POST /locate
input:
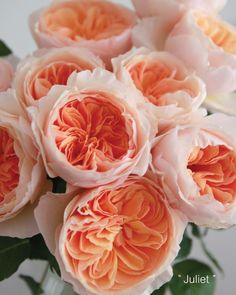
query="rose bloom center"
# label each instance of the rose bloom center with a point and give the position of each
(155, 79)
(90, 20)
(221, 34)
(53, 74)
(213, 169)
(119, 237)
(90, 132)
(9, 169)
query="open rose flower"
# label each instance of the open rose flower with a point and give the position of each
(36, 74)
(101, 26)
(21, 170)
(6, 74)
(163, 80)
(208, 45)
(113, 239)
(199, 175)
(94, 130)
(160, 17)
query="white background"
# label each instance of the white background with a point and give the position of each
(14, 30)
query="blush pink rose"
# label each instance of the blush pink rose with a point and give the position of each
(117, 239)
(199, 173)
(6, 74)
(36, 74)
(208, 45)
(172, 90)
(94, 130)
(22, 176)
(101, 26)
(160, 17)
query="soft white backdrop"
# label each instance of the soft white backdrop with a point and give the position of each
(14, 30)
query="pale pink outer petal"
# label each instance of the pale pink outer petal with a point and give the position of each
(180, 103)
(6, 74)
(222, 123)
(210, 6)
(199, 53)
(173, 9)
(99, 80)
(170, 9)
(31, 65)
(22, 225)
(182, 191)
(49, 216)
(106, 49)
(151, 32)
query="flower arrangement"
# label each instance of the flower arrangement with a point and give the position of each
(109, 158)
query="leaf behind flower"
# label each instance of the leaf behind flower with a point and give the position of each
(4, 49)
(13, 252)
(192, 268)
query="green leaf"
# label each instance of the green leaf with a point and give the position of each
(13, 252)
(59, 185)
(39, 251)
(185, 247)
(161, 291)
(4, 50)
(198, 234)
(34, 286)
(196, 271)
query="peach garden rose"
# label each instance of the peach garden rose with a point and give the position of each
(199, 175)
(101, 26)
(22, 174)
(36, 74)
(93, 130)
(106, 155)
(6, 74)
(117, 239)
(165, 82)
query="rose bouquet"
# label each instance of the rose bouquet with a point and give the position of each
(107, 152)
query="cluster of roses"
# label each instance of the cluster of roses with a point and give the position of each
(127, 134)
